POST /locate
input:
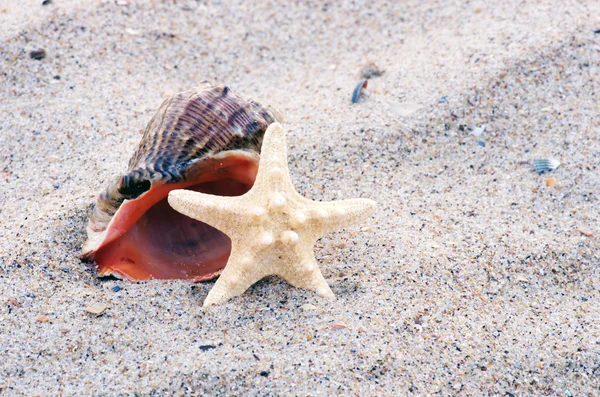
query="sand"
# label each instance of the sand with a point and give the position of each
(473, 278)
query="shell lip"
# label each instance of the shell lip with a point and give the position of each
(128, 213)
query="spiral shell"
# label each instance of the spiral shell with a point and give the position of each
(206, 139)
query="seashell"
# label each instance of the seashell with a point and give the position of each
(357, 90)
(207, 140)
(542, 165)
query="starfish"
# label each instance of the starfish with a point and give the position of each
(273, 229)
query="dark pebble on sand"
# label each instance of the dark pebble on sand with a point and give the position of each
(264, 373)
(207, 347)
(56, 185)
(38, 54)
(116, 288)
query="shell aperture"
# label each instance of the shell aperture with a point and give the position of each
(207, 140)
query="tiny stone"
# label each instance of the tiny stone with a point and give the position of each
(308, 306)
(116, 288)
(586, 231)
(207, 347)
(13, 302)
(43, 319)
(38, 54)
(551, 182)
(338, 326)
(56, 185)
(479, 130)
(96, 308)
(264, 373)
(371, 70)
(46, 2)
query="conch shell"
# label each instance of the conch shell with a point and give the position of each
(207, 140)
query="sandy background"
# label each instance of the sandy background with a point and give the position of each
(474, 277)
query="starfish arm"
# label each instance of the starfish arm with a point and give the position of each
(308, 276)
(273, 168)
(327, 217)
(222, 213)
(239, 274)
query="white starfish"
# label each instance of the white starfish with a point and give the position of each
(272, 228)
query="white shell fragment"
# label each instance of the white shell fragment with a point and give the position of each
(478, 131)
(542, 165)
(96, 309)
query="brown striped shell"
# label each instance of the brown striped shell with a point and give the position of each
(206, 140)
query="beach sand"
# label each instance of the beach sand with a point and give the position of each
(473, 278)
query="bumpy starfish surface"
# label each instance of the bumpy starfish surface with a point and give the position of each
(272, 228)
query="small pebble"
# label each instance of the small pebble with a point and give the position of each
(443, 99)
(478, 131)
(207, 347)
(56, 185)
(586, 231)
(14, 302)
(38, 54)
(481, 143)
(264, 373)
(46, 2)
(116, 288)
(43, 319)
(371, 70)
(551, 182)
(96, 308)
(338, 326)
(308, 306)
